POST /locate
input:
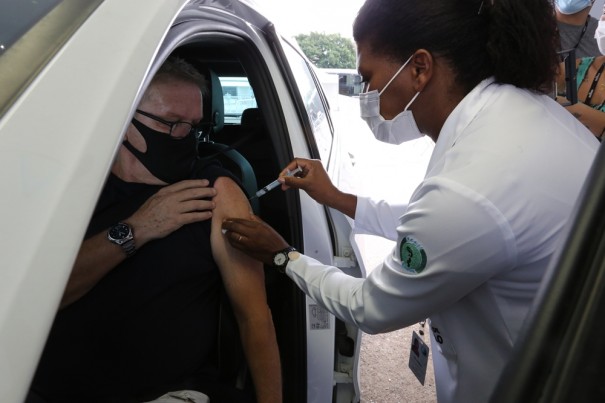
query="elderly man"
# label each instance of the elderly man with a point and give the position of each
(139, 316)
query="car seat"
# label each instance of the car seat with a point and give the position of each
(229, 353)
(212, 124)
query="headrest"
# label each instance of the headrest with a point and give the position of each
(251, 119)
(214, 108)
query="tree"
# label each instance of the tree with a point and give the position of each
(328, 50)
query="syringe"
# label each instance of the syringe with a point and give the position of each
(275, 183)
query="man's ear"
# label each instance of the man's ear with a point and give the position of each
(423, 65)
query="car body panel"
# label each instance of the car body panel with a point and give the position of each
(57, 143)
(52, 182)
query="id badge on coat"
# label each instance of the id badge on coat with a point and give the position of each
(419, 357)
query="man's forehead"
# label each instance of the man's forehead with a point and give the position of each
(174, 99)
(172, 85)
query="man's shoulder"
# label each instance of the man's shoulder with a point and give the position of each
(211, 170)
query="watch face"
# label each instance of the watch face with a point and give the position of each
(280, 259)
(119, 231)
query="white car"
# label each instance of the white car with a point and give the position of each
(71, 75)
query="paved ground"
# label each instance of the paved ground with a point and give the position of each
(391, 173)
(384, 373)
(385, 376)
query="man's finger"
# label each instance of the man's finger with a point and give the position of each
(238, 224)
(254, 217)
(186, 184)
(196, 205)
(196, 193)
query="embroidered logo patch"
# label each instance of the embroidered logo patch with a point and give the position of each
(412, 255)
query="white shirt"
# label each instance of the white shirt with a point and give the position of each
(475, 239)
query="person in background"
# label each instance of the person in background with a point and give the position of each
(478, 233)
(590, 108)
(600, 32)
(577, 27)
(140, 313)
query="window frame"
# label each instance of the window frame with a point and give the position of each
(21, 63)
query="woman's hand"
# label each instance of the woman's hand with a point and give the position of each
(313, 179)
(254, 237)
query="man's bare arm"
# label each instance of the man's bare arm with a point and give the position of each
(244, 282)
(592, 118)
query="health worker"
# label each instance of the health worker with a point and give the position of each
(478, 233)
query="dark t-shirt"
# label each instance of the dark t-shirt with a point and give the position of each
(149, 326)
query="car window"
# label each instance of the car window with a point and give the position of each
(349, 83)
(318, 116)
(18, 16)
(237, 96)
(31, 33)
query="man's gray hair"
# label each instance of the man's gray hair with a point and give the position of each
(176, 68)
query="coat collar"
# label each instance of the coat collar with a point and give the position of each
(464, 113)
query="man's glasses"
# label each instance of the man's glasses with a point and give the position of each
(178, 130)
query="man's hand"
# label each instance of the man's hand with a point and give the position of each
(172, 207)
(254, 237)
(163, 213)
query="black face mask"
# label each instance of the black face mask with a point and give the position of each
(168, 159)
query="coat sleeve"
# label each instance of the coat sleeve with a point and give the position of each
(449, 242)
(377, 217)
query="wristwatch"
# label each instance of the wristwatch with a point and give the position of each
(122, 234)
(281, 258)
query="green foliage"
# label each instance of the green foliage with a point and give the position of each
(328, 50)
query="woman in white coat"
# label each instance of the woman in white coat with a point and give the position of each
(479, 231)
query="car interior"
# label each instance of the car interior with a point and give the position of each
(244, 135)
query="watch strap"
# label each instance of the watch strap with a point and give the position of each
(282, 267)
(129, 247)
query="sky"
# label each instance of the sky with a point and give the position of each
(293, 17)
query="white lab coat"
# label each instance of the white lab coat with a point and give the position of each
(480, 229)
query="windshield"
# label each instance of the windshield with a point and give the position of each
(18, 16)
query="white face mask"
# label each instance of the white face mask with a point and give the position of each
(600, 36)
(572, 6)
(396, 131)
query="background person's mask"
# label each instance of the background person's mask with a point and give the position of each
(395, 131)
(572, 6)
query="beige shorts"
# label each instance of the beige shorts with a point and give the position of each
(181, 396)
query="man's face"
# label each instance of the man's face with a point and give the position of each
(164, 103)
(172, 101)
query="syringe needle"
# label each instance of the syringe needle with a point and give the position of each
(274, 184)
